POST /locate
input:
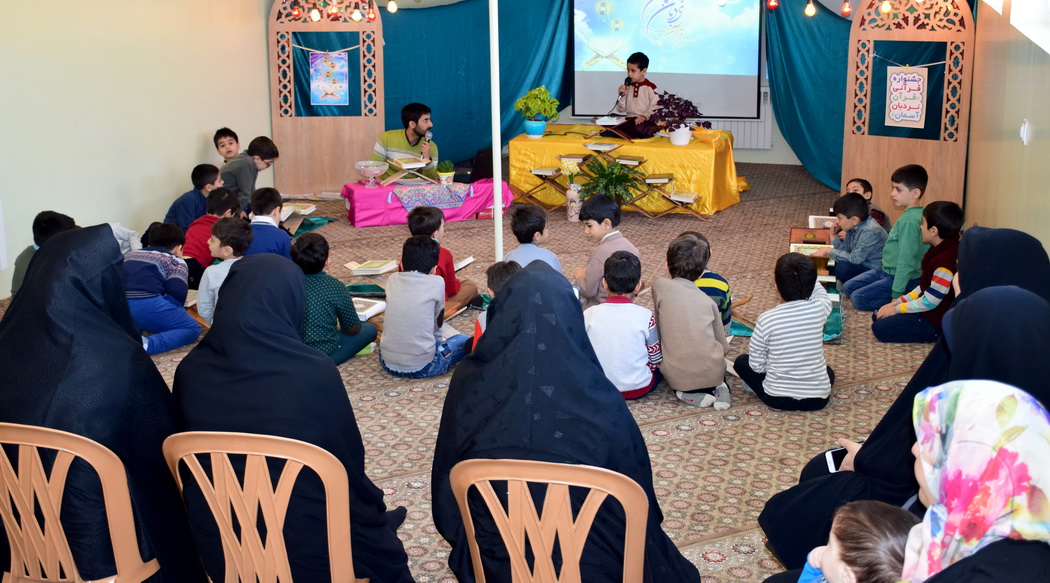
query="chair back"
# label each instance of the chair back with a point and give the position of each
(254, 500)
(31, 505)
(522, 526)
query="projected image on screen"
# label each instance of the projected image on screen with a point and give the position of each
(705, 50)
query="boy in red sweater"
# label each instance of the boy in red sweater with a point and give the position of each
(222, 202)
(430, 221)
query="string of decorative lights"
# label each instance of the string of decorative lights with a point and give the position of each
(846, 9)
(358, 10)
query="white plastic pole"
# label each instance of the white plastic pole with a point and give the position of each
(497, 153)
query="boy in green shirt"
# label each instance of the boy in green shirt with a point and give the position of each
(902, 254)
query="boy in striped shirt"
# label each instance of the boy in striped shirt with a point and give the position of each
(916, 315)
(785, 365)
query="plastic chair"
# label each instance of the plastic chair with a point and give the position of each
(242, 500)
(39, 546)
(520, 524)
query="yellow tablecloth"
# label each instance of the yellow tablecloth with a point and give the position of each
(705, 166)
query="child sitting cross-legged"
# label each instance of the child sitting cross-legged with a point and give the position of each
(156, 290)
(496, 275)
(916, 316)
(328, 303)
(624, 334)
(600, 214)
(222, 202)
(529, 225)
(229, 239)
(692, 338)
(715, 286)
(412, 346)
(863, 187)
(785, 365)
(856, 238)
(430, 221)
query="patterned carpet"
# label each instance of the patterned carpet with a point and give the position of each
(713, 470)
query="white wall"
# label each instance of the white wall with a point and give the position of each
(1008, 183)
(108, 106)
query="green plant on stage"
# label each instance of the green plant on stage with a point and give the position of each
(610, 178)
(537, 104)
(446, 166)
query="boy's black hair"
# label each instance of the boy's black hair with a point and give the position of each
(203, 175)
(795, 275)
(687, 255)
(527, 221)
(412, 112)
(638, 59)
(233, 232)
(864, 184)
(599, 207)
(224, 133)
(851, 205)
(623, 271)
(47, 224)
(498, 273)
(220, 200)
(425, 220)
(310, 252)
(264, 148)
(946, 216)
(265, 199)
(419, 253)
(911, 176)
(166, 236)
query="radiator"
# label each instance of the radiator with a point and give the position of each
(751, 134)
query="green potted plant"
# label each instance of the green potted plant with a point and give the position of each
(610, 178)
(446, 171)
(538, 107)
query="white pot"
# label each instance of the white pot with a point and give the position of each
(681, 136)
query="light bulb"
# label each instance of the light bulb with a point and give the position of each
(772, 4)
(371, 14)
(810, 9)
(296, 12)
(333, 10)
(886, 7)
(315, 15)
(357, 16)
(391, 6)
(846, 8)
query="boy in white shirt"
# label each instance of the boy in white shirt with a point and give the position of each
(624, 334)
(230, 238)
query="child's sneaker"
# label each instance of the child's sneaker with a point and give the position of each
(696, 399)
(722, 397)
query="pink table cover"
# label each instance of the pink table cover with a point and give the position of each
(371, 207)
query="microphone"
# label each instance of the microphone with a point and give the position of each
(626, 83)
(429, 136)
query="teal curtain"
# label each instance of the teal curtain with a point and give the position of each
(326, 41)
(440, 57)
(806, 64)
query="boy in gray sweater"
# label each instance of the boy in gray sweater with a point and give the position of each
(412, 346)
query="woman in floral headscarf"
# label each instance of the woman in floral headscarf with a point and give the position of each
(981, 461)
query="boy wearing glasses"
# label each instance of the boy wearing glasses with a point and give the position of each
(240, 172)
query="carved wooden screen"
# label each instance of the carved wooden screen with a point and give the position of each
(318, 152)
(876, 157)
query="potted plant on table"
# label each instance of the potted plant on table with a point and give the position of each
(538, 107)
(610, 178)
(675, 113)
(446, 171)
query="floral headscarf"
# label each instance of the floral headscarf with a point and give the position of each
(983, 447)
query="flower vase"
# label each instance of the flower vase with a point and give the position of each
(573, 202)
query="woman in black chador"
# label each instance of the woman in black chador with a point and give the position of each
(71, 358)
(533, 390)
(253, 374)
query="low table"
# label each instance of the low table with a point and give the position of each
(372, 207)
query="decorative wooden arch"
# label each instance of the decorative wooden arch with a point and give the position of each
(876, 157)
(318, 153)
